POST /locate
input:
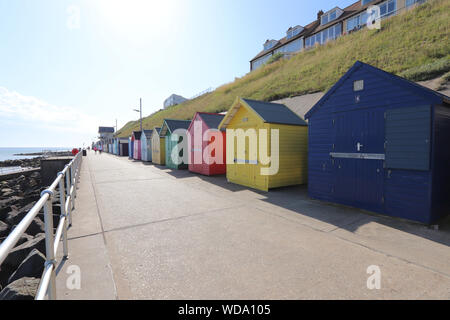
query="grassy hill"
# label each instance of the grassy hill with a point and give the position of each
(414, 44)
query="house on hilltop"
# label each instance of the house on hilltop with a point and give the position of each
(106, 136)
(173, 100)
(106, 132)
(329, 25)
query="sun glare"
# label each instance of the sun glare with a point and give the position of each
(138, 15)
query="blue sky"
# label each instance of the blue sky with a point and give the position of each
(69, 66)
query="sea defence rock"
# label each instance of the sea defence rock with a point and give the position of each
(18, 255)
(20, 272)
(17, 214)
(4, 229)
(21, 289)
(32, 266)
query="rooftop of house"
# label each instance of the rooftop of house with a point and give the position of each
(106, 130)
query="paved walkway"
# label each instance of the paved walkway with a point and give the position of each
(145, 232)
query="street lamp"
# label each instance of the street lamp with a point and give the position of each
(140, 111)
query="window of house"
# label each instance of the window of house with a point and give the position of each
(409, 3)
(364, 2)
(260, 61)
(293, 46)
(330, 16)
(387, 8)
(358, 85)
(353, 23)
(357, 22)
(322, 37)
(293, 32)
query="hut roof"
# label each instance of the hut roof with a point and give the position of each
(402, 82)
(212, 120)
(171, 125)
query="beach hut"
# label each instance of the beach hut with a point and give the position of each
(146, 145)
(380, 143)
(207, 153)
(123, 147)
(130, 147)
(158, 148)
(136, 136)
(172, 142)
(266, 145)
(116, 146)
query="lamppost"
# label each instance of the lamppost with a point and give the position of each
(140, 111)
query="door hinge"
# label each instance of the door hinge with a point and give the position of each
(334, 121)
(385, 116)
(382, 199)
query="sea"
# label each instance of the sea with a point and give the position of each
(9, 153)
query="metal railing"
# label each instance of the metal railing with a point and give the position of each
(66, 182)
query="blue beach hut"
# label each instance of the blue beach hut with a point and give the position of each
(130, 148)
(380, 142)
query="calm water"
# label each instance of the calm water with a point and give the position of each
(8, 153)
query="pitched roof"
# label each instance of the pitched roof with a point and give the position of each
(269, 112)
(402, 82)
(275, 112)
(212, 120)
(105, 129)
(148, 133)
(137, 135)
(171, 125)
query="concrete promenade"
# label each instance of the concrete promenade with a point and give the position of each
(145, 232)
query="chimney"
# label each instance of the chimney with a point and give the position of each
(319, 14)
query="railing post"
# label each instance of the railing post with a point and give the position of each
(72, 183)
(62, 200)
(49, 245)
(69, 206)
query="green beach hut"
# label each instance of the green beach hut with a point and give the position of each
(173, 139)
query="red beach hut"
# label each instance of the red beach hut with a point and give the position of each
(136, 138)
(207, 149)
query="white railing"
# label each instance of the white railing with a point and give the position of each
(210, 89)
(70, 175)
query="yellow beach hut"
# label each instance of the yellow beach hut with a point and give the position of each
(158, 148)
(266, 145)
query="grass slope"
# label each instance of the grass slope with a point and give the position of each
(414, 44)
